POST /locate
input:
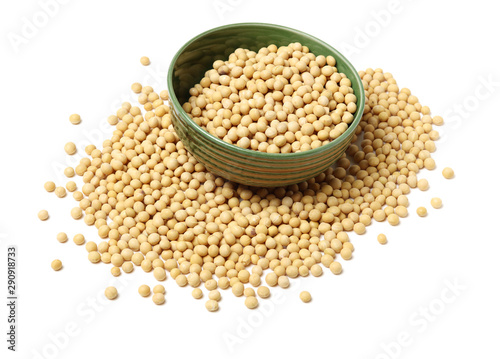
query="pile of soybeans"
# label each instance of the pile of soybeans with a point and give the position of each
(278, 100)
(156, 208)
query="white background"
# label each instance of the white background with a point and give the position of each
(84, 59)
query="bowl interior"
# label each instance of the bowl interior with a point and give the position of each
(197, 56)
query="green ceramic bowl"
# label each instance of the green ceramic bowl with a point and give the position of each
(240, 165)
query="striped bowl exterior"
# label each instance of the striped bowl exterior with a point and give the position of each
(250, 167)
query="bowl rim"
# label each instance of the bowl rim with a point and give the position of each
(253, 153)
